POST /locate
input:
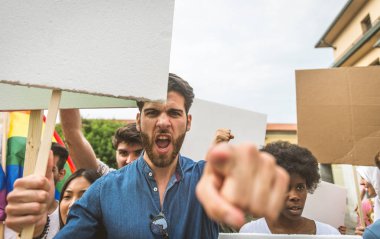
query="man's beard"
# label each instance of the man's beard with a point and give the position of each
(161, 161)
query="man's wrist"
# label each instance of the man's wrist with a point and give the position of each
(45, 231)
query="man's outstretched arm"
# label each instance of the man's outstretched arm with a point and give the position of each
(239, 179)
(81, 151)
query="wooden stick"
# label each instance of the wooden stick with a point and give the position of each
(2, 229)
(360, 209)
(33, 141)
(43, 152)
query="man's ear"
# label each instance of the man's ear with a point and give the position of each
(138, 121)
(61, 174)
(189, 118)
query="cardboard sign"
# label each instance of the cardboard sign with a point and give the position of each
(113, 48)
(246, 126)
(338, 112)
(278, 236)
(331, 213)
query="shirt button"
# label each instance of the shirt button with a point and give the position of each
(150, 174)
(155, 189)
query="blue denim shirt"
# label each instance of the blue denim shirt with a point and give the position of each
(122, 203)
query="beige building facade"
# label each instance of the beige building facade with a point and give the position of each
(285, 132)
(354, 35)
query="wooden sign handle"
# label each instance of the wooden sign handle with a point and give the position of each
(4, 139)
(360, 209)
(33, 141)
(44, 150)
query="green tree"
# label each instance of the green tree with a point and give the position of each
(99, 133)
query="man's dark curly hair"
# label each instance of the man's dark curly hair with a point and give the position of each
(179, 85)
(127, 134)
(61, 152)
(296, 160)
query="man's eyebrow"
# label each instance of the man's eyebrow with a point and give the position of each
(150, 109)
(176, 110)
(153, 105)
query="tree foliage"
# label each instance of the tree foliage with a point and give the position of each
(99, 133)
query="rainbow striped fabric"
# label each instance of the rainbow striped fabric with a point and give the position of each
(16, 145)
(3, 194)
(3, 180)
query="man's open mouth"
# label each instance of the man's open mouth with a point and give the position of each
(163, 141)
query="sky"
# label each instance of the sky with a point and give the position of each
(244, 53)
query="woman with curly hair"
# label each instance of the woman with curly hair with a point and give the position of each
(303, 170)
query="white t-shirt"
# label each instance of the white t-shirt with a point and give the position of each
(54, 224)
(261, 226)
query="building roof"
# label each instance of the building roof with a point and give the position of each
(281, 127)
(345, 16)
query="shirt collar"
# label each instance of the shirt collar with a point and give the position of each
(142, 165)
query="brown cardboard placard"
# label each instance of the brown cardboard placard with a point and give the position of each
(338, 113)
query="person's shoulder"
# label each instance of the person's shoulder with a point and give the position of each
(254, 226)
(189, 163)
(373, 231)
(187, 160)
(109, 181)
(109, 176)
(120, 173)
(325, 229)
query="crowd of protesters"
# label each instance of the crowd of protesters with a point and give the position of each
(159, 193)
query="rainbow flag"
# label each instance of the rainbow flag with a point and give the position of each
(3, 180)
(16, 145)
(3, 194)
